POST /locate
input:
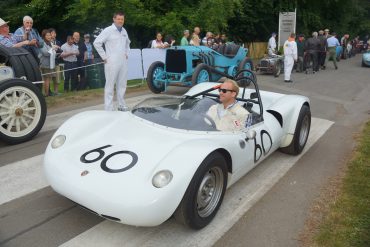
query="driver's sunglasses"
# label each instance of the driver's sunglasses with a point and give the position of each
(225, 90)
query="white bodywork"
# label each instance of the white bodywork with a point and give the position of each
(129, 195)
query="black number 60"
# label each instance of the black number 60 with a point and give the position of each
(103, 163)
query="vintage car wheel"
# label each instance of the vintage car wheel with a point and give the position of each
(246, 63)
(205, 193)
(22, 112)
(301, 132)
(201, 74)
(277, 69)
(155, 72)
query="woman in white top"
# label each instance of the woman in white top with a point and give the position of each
(47, 61)
(158, 43)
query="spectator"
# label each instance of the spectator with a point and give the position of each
(7, 39)
(344, 41)
(208, 39)
(158, 42)
(290, 56)
(117, 46)
(184, 40)
(271, 47)
(223, 39)
(80, 61)
(312, 47)
(26, 32)
(326, 33)
(56, 43)
(69, 55)
(300, 49)
(169, 41)
(195, 39)
(47, 61)
(332, 43)
(322, 51)
(88, 57)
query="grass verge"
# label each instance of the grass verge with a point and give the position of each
(94, 95)
(347, 222)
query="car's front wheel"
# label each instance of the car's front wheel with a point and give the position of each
(22, 111)
(204, 194)
(155, 77)
(301, 132)
(201, 74)
(277, 69)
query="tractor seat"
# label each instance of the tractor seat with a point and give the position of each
(231, 50)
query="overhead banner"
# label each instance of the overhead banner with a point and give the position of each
(287, 25)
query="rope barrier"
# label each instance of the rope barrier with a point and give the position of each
(85, 66)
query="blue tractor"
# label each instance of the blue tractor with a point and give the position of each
(189, 65)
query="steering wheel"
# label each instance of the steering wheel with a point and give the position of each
(210, 121)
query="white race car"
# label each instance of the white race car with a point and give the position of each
(165, 157)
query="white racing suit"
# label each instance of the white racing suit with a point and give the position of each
(117, 46)
(233, 118)
(290, 55)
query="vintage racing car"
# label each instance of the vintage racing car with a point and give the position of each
(271, 65)
(366, 59)
(22, 105)
(165, 157)
(189, 65)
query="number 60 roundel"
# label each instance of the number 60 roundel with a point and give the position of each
(103, 163)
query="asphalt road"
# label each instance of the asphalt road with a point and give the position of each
(31, 214)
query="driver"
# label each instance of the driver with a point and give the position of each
(228, 115)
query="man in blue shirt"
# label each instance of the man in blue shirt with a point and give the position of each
(7, 39)
(26, 32)
(332, 43)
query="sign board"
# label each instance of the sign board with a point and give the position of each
(151, 55)
(135, 65)
(287, 25)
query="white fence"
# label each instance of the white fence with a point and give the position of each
(139, 61)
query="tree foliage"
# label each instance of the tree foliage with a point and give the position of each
(240, 20)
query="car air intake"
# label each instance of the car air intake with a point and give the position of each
(175, 61)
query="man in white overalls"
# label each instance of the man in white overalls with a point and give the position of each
(290, 56)
(115, 55)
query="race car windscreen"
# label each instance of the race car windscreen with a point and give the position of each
(177, 112)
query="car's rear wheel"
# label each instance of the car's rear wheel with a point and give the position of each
(204, 194)
(22, 112)
(155, 77)
(200, 74)
(301, 132)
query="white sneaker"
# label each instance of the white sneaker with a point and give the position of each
(123, 108)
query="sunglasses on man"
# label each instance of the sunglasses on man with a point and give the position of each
(224, 90)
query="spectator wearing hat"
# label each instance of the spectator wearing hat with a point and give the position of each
(326, 33)
(184, 40)
(332, 43)
(272, 45)
(27, 32)
(7, 39)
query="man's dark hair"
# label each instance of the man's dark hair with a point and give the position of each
(52, 29)
(69, 37)
(118, 13)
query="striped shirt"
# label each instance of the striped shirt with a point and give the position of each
(66, 48)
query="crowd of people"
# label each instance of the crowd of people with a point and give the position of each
(209, 39)
(50, 53)
(314, 53)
